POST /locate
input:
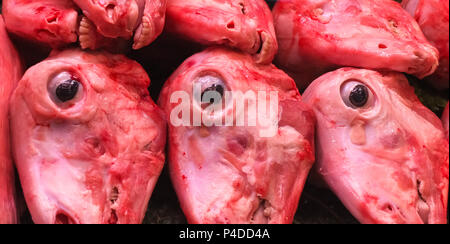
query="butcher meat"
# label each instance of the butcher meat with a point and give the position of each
(143, 19)
(88, 141)
(445, 120)
(433, 18)
(379, 149)
(246, 25)
(317, 36)
(95, 23)
(10, 73)
(225, 168)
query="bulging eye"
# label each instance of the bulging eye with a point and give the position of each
(65, 89)
(216, 90)
(359, 96)
(356, 94)
(212, 89)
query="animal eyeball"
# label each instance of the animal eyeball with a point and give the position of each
(212, 89)
(65, 88)
(356, 94)
(218, 89)
(359, 95)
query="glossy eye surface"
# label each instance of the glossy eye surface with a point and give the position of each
(359, 96)
(212, 89)
(65, 89)
(356, 94)
(218, 88)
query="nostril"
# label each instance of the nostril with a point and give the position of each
(63, 219)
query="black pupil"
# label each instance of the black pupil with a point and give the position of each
(216, 88)
(359, 96)
(67, 90)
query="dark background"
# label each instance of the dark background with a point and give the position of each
(317, 205)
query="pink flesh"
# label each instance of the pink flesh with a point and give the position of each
(316, 36)
(53, 22)
(56, 22)
(433, 18)
(243, 24)
(120, 18)
(152, 24)
(10, 73)
(445, 120)
(231, 174)
(398, 172)
(98, 160)
(113, 18)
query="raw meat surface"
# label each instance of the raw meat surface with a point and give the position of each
(379, 149)
(10, 73)
(88, 141)
(433, 18)
(445, 120)
(102, 24)
(246, 25)
(317, 36)
(234, 174)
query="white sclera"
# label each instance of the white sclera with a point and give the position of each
(347, 88)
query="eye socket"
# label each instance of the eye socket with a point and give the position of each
(356, 94)
(65, 89)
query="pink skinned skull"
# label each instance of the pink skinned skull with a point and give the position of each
(317, 36)
(378, 148)
(231, 173)
(10, 73)
(88, 141)
(433, 18)
(95, 24)
(246, 25)
(445, 119)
